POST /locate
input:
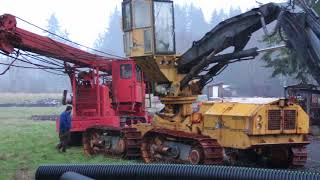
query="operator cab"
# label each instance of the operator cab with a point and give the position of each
(128, 86)
(148, 27)
(149, 37)
(98, 94)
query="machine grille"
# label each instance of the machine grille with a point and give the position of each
(289, 119)
(274, 119)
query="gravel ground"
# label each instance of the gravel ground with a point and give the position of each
(313, 163)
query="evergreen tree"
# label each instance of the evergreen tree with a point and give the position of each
(51, 82)
(53, 26)
(198, 24)
(285, 62)
(234, 11)
(315, 4)
(111, 40)
(216, 17)
(190, 26)
(182, 42)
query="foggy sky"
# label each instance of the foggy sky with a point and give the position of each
(84, 19)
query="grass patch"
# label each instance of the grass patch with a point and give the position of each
(26, 144)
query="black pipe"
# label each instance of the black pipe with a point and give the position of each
(73, 176)
(170, 172)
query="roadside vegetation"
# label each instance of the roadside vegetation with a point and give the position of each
(19, 98)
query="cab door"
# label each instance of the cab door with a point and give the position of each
(128, 85)
(123, 81)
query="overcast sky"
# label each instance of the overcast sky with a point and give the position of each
(85, 19)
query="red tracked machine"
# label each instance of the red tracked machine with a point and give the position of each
(108, 95)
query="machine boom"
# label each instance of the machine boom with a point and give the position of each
(13, 37)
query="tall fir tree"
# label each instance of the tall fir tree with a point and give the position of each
(181, 16)
(52, 82)
(234, 11)
(53, 26)
(198, 24)
(111, 40)
(217, 17)
(190, 26)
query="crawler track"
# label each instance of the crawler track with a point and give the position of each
(280, 156)
(299, 156)
(124, 142)
(163, 145)
(287, 157)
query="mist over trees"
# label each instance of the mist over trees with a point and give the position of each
(190, 24)
(248, 78)
(35, 80)
(110, 40)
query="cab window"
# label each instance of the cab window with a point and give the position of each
(164, 27)
(127, 43)
(125, 71)
(141, 13)
(126, 14)
(138, 73)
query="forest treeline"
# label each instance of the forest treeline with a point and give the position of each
(245, 78)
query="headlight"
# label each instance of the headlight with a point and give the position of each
(259, 122)
(259, 119)
(259, 126)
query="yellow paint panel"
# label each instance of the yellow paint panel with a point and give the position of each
(137, 43)
(303, 121)
(209, 121)
(233, 109)
(234, 122)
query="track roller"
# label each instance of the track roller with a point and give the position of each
(169, 146)
(124, 142)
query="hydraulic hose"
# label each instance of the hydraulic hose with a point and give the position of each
(170, 172)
